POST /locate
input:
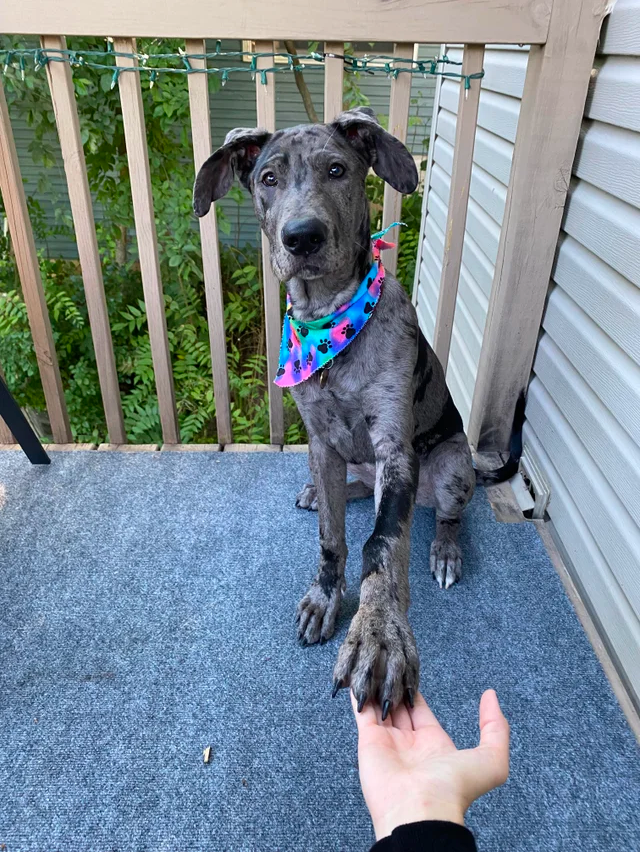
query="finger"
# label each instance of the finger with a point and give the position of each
(401, 719)
(494, 735)
(421, 714)
(494, 728)
(366, 717)
(387, 722)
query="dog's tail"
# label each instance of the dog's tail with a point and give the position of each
(510, 467)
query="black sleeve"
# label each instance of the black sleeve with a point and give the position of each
(429, 835)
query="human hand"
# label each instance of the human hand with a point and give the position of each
(410, 769)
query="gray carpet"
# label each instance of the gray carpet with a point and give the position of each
(147, 610)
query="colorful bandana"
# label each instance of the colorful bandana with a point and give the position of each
(309, 346)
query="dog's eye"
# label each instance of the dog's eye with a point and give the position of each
(269, 179)
(336, 170)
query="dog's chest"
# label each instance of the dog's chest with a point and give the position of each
(335, 415)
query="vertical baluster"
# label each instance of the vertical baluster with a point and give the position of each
(15, 205)
(398, 124)
(458, 201)
(138, 157)
(333, 79)
(66, 112)
(266, 110)
(201, 135)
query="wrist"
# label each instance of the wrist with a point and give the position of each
(412, 811)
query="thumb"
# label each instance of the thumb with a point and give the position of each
(494, 737)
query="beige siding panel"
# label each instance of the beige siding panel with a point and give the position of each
(482, 228)
(614, 95)
(485, 189)
(497, 113)
(609, 158)
(615, 453)
(474, 304)
(610, 299)
(480, 267)
(437, 208)
(608, 370)
(464, 363)
(611, 525)
(621, 31)
(609, 227)
(491, 152)
(425, 317)
(592, 572)
(456, 384)
(504, 70)
(469, 331)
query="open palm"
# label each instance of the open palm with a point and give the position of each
(410, 769)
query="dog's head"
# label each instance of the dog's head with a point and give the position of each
(308, 188)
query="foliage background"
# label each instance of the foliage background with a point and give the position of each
(170, 155)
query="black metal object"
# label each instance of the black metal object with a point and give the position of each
(27, 439)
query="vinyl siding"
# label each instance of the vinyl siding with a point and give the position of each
(234, 105)
(583, 415)
(498, 112)
(583, 411)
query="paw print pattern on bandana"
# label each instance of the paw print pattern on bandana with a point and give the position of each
(349, 331)
(308, 346)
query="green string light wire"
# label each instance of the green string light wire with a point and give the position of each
(105, 60)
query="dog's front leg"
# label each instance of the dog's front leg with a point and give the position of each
(319, 608)
(378, 658)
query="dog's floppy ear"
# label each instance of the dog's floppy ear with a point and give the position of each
(388, 157)
(238, 156)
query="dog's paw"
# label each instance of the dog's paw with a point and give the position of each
(317, 613)
(307, 498)
(446, 562)
(379, 658)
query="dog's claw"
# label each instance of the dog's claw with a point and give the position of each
(410, 696)
(445, 562)
(337, 684)
(361, 700)
(385, 709)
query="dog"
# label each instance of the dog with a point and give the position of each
(382, 412)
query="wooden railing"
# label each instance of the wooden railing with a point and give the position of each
(563, 35)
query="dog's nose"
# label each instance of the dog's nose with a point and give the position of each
(304, 236)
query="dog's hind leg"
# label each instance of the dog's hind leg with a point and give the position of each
(307, 497)
(450, 479)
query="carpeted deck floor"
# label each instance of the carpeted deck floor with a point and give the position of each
(147, 610)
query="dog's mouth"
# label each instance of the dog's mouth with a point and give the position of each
(313, 266)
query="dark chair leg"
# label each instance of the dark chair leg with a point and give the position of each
(27, 439)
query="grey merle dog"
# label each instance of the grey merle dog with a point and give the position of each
(383, 412)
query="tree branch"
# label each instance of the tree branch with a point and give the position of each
(301, 83)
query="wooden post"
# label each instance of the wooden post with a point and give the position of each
(266, 109)
(333, 79)
(15, 205)
(555, 90)
(138, 157)
(398, 123)
(458, 201)
(201, 136)
(66, 112)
